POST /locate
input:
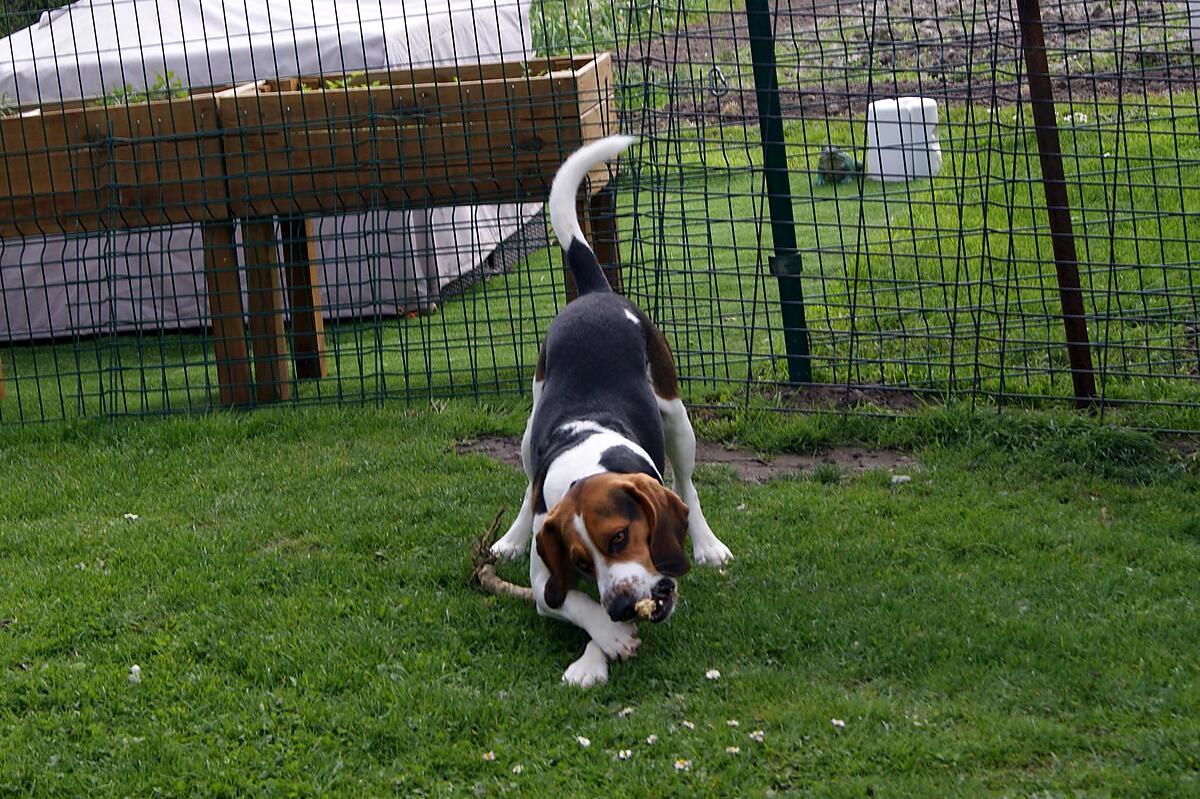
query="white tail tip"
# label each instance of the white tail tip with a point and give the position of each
(566, 183)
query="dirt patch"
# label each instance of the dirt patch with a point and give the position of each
(505, 449)
(752, 468)
(844, 397)
(749, 466)
(836, 56)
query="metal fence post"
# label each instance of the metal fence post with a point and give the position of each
(1062, 238)
(785, 264)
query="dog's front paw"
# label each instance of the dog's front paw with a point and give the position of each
(711, 553)
(509, 548)
(618, 640)
(589, 670)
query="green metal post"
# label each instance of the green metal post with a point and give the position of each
(785, 264)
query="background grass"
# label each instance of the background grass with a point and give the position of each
(1019, 619)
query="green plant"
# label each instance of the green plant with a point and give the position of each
(7, 107)
(533, 72)
(165, 87)
(353, 80)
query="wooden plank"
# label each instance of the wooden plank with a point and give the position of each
(601, 214)
(395, 168)
(89, 168)
(268, 338)
(540, 89)
(451, 141)
(225, 308)
(304, 297)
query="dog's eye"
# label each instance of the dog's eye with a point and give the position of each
(584, 565)
(618, 541)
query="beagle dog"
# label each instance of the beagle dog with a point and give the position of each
(606, 414)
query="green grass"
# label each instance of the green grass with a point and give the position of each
(1019, 619)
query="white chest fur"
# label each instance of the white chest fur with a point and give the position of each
(583, 459)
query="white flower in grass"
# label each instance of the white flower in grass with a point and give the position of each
(584, 742)
(625, 712)
(837, 723)
(131, 517)
(733, 723)
(652, 739)
(733, 750)
(712, 674)
(687, 725)
(489, 756)
(517, 769)
(758, 736)
(135, 674)
(624, 754)
(682, 765)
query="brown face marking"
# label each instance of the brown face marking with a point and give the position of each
(651, 518)
(612, 515)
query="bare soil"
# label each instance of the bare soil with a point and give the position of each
(836, 56)
(749, 466)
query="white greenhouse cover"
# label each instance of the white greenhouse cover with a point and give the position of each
(374, 262)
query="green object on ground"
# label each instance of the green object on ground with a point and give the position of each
(835, 165)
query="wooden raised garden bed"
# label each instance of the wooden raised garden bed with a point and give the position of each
(414, 138)
(86, 167)
(131, 159)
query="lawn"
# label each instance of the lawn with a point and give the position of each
(1021, 618)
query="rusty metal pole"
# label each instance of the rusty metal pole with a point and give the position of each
(1062, 237)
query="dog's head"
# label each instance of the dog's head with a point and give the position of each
(625, 531)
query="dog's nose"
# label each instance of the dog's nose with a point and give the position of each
(621, 608)
(663, 588)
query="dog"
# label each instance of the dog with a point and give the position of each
(606, 413)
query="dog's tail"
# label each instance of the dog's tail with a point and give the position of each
(581, 259)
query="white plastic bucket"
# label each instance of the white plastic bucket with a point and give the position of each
(902, 141)
(1193, 7)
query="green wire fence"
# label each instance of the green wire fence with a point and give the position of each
(860, 206)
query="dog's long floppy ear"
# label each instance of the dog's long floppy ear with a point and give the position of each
(667, 517)
(553, 552)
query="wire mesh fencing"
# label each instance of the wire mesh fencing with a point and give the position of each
(830, 202)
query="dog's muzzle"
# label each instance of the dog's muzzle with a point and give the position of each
(623, 606)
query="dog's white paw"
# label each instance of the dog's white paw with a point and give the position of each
(510, 547)
(591, 669)
(711, 553)
(618, 640)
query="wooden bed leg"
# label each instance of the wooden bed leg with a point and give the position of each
(597, 213)
(225, 308)
(268, 339)
(304, 297)
(602, 228)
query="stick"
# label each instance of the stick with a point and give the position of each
(484, 571)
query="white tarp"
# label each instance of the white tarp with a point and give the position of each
(376, 262)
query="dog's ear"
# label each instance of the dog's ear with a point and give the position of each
(553, 552)
(667, 516)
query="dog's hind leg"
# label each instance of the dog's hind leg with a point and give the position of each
(680, 440)
(516, 541)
